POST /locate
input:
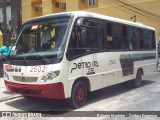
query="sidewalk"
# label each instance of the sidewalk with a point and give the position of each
(4, 94)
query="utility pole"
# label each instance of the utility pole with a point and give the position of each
(4, 21)
(134, 18)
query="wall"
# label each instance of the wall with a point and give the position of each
(113, 8)
(124, 13)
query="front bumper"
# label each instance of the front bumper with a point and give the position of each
(54, 91)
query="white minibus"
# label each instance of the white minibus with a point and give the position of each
(67, 55)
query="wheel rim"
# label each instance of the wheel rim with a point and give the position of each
(79, 95)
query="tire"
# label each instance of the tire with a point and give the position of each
(78, 95)
(138, 80)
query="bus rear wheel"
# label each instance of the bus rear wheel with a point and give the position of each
(78, 95)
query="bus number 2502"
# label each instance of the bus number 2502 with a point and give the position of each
(37, 69)
(111, 62)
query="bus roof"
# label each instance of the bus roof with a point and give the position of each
(99, 16)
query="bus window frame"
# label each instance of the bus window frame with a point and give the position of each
(141, 38)
(100, 45)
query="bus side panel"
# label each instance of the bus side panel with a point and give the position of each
(89, 66)
(120, 68)
(145, 60)
(109, 68)
(123, 66)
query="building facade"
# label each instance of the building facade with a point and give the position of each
(5, 22)
(143, 11)
(8, 14)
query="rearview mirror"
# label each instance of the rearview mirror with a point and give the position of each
(80, 22)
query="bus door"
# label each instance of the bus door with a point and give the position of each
(85, 50)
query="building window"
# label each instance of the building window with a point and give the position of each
(37, 8)
(63, 6)
(92, 2)
(57, 4)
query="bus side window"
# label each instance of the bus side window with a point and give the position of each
(141, 39)
(83, 39)
(73, 40)
(149, 39)
(88, 36)
(72, 46)
(109, 37)
(100, 36)
(130, 38)
(124, 38)
(153, 40)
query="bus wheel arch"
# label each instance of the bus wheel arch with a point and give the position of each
(141, 70)
(83, 79)
(79, 91)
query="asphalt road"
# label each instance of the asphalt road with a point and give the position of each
(115, 98)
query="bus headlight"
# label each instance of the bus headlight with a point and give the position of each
(50, 76)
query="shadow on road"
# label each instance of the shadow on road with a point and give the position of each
(7, 92)
(114, 90)
(54, 106)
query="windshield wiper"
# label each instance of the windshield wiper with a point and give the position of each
(26, 62)
(33, 57)
(44, 60)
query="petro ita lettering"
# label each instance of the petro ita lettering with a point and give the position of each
(83, 65)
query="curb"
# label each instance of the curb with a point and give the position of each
(10, 97)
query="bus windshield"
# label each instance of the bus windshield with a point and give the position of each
(44, 37)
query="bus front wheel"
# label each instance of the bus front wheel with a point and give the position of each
(78, 95)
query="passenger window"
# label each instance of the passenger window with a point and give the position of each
(124, 43)
(134, 38)
(149, 39)
(88, 36)
(100, 36)
(109, 37)
(73, 40)
(141, 39)
(83, 38)
(114, 37)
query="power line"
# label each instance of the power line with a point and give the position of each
(148, 15)
(113, 3)
(140, 9)
(137, 10)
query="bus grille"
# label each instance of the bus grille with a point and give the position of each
(25, 79)
(25, 91)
